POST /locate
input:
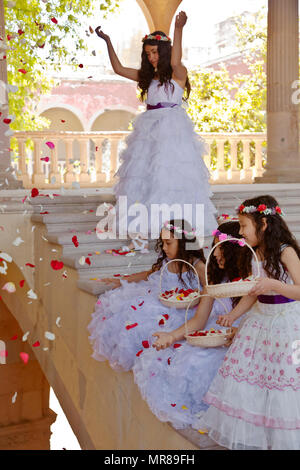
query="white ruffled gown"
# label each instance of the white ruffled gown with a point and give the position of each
(163, 164)
(255, 397)
(125, 318)
(174, 380)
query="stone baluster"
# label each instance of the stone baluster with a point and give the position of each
(84, 177)
(258, 158)
(221, 172)
(54, 175)
(38, 177)
(23, 171)
(114, 143)
(247, 172)
(100, 175)
(69, 175)
(235, 172)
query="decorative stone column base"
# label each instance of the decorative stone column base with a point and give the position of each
(30, 435)
(282, 175)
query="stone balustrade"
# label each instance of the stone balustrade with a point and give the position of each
(91, 158)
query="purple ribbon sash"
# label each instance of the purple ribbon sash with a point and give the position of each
(161, 105)
(274, 299)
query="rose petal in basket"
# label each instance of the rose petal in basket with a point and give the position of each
(179, 303)
(212, 341)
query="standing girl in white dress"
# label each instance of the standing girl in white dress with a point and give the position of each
(255, 397)
(163, 160)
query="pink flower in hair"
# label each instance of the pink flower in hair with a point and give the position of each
(241, 242)
(222, 236)
(214, 232)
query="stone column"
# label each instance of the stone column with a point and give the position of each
(159, 13)
(283, 159)
(7, 178)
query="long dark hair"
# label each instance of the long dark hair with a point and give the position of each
(182, 252)
(164, 68)
(232, 253)
(270, 240)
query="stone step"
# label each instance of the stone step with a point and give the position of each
(104, 262)
(67, 204)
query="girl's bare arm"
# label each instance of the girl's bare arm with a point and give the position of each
(179, 70)
(118, 68)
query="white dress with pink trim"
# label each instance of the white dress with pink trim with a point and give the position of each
(255, 397)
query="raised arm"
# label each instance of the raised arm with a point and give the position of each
(179, 70)
(118, 68)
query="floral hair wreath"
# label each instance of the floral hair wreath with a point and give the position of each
(179, 230)
(227, 218)
(262, 209)
(157, 37)
(223, 236)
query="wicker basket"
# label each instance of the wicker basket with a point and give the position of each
(231, 289)
(206, 341)
(179, 303)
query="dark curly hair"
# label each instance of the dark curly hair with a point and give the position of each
(232, 253)
(182, 253)
(270, 240)
(164, 68)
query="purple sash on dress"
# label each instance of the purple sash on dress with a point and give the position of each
(161, 105)
(274, 299)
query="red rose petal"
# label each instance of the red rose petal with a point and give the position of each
(161, 322)
(56, 265)
(34, 192)
(54, 20)
(21, 283)
(166, 316)
(169, 360)
(139, 353)
(7, 121)
(30, 265)
(14, 337)
(145, 344)
(173, 404)
(132, 306)
(75, 241)
(141, 303)
(22, 71)
(177, 345)
(36, 344)
(128, 327)
(24, 356)
(88, 261)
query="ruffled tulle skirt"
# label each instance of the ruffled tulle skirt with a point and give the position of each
(163, 164)
(174, 380)
(255, 396)
(125, 318)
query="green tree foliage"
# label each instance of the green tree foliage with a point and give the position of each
(219, 103)
(39, 34)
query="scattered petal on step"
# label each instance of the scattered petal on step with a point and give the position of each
(14, 397)
(31, 294)
(9, 287)
(17, 241)
(57, 322)
(25, 336)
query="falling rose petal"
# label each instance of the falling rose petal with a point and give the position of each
(54, 20)
(23, 200)
(22, 71)
(173, 404)
(49, 335)
(24, 356)
(14, 337)
(17, 241)
(36, 344)
(50, 145)
(34, 192)
(7, 121)
(20, 32)
(14, 397)
(25, 336)
(45, 159)
(31, 294)
(141, 303)
(30, 265)
(80, 65)
(9, 287)
(133, 325)
(56, 265)
(21, 283)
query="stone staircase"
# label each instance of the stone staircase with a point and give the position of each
(69, 215)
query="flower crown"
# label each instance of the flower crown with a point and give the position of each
(262, 209)
(223, 236)
(180, 230)
(226, 218)
(157, 37)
